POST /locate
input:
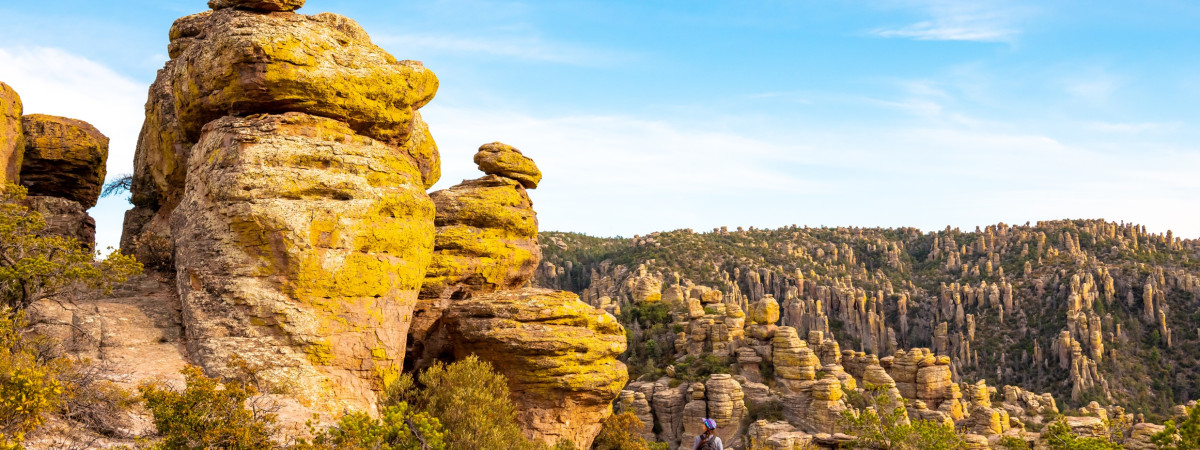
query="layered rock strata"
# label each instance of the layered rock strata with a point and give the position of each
(558, 354)
(301, 244)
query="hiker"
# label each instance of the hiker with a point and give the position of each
(708, 440)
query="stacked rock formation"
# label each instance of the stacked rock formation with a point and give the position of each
(281, 177)
(558, 354)
(60, 161)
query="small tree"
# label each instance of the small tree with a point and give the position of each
(34, 266)
(30, 388)
(472, 402)
(1058, 436)
(209, 414)
(620, 432)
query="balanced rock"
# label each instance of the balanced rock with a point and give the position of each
(63, 158)
(558, 354)
(486, 238)
(301, 245)
(257, 5)
(501, 159)
(12, 141)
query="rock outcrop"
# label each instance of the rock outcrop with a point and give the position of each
(60, 161)
(558, 354)
(12, 141)
(301, 244)
(280, 176)
(64, 217)
(63, 158)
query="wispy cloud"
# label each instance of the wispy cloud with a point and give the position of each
(521, 47)
(956, 20)
(1134, 127)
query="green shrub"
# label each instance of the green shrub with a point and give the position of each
(1058, 436)
(1182, 436)
(398, 428)
(208, 414)
(471, 401)
(33, 266)
(883, 424)
(622, 432)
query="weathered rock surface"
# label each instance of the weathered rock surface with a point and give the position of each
(133, 335)
(238, 62)
(558, 354)
(1140, 436)
(486, 238)
(260, 5)
(726, 406)
(302, 245)
(65, 218)
(12, 141)
(63, 158)
(501, 159)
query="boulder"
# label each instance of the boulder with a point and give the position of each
(301, 246)
(501, 159)
(1140, 436)
(63, 158)
(257, 5)
(12, 141)
(65, 218)
(558, 354)
(726, 406)
(486, 238)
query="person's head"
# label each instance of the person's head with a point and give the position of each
(710, 426)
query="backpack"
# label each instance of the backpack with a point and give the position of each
(709, 443)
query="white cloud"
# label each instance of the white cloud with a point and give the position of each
(616, 174)
(56, 82)
(1134, 127)
(624, 175)
(519, 47)
(955, 20)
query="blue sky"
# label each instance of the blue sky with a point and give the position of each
(650, 116)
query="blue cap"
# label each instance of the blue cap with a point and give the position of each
(710, 424)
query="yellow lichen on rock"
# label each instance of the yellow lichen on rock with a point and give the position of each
(12, 141)
(237, 61)
(486, 238)
(295, 259)
(63, 158)
(557, 353)
(501, 159)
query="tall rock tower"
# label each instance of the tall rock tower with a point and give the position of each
(281, 178)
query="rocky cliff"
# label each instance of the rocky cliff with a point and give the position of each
(1085, 312)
